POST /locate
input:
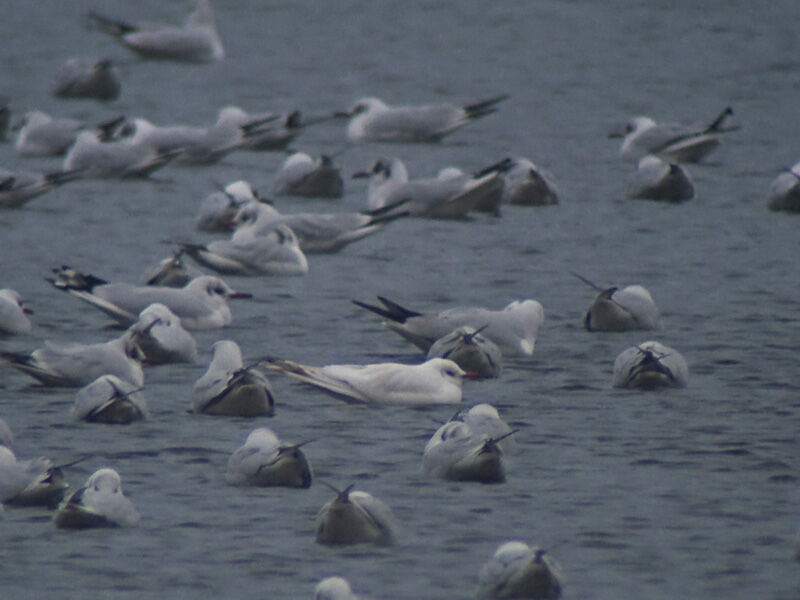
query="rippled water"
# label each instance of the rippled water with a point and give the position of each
(680, 494)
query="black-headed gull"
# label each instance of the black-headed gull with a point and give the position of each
(672, 142)
(656, 179)
(373, 120)
(519, 571)
(474, 353)
(43, 135)
(121, 158)
(172, 271)
(302, 175)
(784, 191)
(650, 365)
(469, 447)
(161, 337)
(76, 365)
(228, 387)
(19, 187)
(201, 304)
(13, 313)
(267, 131)
(626, 309)
(334, 588)
(523, 182)
(99, 503)
(34, 482)
(436, 381)
(218, 209)
(195, 41)
(513, 328)
(109, 399)
(355, 517)
(264, 460)
(79, 78)
(450, 195)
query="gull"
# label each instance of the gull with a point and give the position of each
(201, 304)
(316, 232)
(196, 41)
(372, 120)
(436, 381)
(42, 135)
(355, 517)
(13, 313)
(100, 503)
(265, 461)
(672, 142)
(97, 79)
(17, 188)
(161, 337)
(474, 353)
(650, 365)
(172, 271)
(109, 399)
(523, 182)
(656, 179)
(469, 447)
(218, 209)
(519, 571)
(513, 329)
(121, 158)
(784, 191)
(334, 588)
(35, 482)
(76, 365)
(301, 175)
(449, 195)
(267, 131)
(230, 388)
(626, 309)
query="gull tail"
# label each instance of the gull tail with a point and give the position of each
(716, 124)
(67, 278)
(484, 107)
(502, 166)
(59, 177)
(390, 310)
(111, 27)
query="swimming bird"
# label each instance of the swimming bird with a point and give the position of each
(513, 329)
(372, 120)
(201, 304)
(784, 191)
(267, 131)
(123, 158)
(219, 208)
(96, 79)
(13, 313)
(334, 588)
(436, 381)
(264, 460)
(301, 175)
(656, 179)
(672, 142)
(17, 188)
(100, 503)
(474, 353)
(519, 571)
(626, 309)
(650, 365)
(35, 482)
(161, 337)
(109, 399)
(355, 517)
(523, 182)
(471, 446)
(228, 387)
(43, 135)
(196, 41)
(76, 365)
(172, 271)
(450, 195)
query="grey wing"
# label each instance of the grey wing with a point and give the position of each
(422, 123)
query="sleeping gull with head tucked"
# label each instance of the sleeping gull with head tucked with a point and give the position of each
(334, 588)
(519, 571)
(43, 135)
(161, 337)
(109, 399)
(474, 353)
(784, 191)
(650, 365)
(355, 517)
(656, 179)
(97, 79)
(99, 503)
(34, 482)
(524, 182)
(626, 309)
(301, 175)
(264, 460)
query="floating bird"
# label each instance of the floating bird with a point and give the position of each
(267, 131)
(42, 135)
(437, 381)
(13, 313)
(513, 329)
(650, 365)
(519, 571)
(20, 187)
(469, 447)
(371, 120)
(201, 304)
(334, 588)
(161, 337)
(172, 271)
(35, 482)
(76, 365)
(122, 158)
(523, 182)
(672, 142)
(97, 79)
(474, 353)
(100, 503)
(109, 399)
(196, 41)
(230, 388)
(265, 461)
(784, 191)
(301, 175)
(218, 209)
(355, 517)
(625, 309)
(656, 179)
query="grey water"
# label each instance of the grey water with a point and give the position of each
(690, 493)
